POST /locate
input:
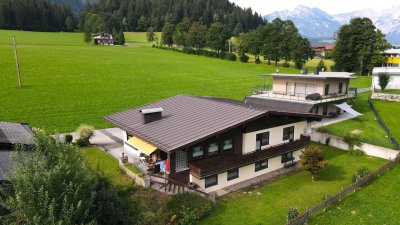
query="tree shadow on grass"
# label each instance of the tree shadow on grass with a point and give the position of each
(331, 173)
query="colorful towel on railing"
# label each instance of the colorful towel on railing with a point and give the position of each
(163, 165)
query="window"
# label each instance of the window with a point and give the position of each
(288, 133)
(326, 89)
(197, 152)
(287, 157)
(228, 145)
(181, 162)
(340, 88)
(211, 180)
(213, 149)
(233, 174)
(262, 140)
(260, 165)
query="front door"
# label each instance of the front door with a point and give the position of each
(326, 89)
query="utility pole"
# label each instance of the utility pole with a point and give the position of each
(16, 62)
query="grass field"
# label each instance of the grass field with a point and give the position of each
(269, 203)
(390, 114)
(67, 83)
(388, 91)
(377, 203)
(361, 82)
(368, 128)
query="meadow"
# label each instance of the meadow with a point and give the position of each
(67, 82)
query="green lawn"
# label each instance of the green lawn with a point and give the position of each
(389, 91)
(368, 128)
(103, 162)
(271, 204)
(377, 203)
(361, 82)
(67, 83)
(390, 114)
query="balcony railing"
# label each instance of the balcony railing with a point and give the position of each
(219, 164)
(302, 97)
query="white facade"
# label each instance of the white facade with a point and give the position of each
(394, 73)
(249, 146)
(127, 147)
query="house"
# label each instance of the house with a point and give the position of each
(321, 50)
(394, 82)
(392, 58)
(103, 39)
(322, 93)
(11, 134)
(213, 143)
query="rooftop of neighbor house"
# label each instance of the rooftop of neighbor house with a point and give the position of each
(5, 164)
(187, 119)
(393, 51)
(391, 70)
(320, 75)
(15, 133)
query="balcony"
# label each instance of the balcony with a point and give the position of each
(265, 92)
(219, 164)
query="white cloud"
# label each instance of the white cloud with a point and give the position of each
(333, 6)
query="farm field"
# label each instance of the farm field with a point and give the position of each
(366, 126)
(269, 203)
(67, 83)
(376, 203)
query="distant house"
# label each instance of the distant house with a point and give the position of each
(392, 58)
(213, 143)
(321, 50)
(103, 39)
(322, 93)
(11, 134)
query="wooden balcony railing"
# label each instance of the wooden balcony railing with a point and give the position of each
(219, 164)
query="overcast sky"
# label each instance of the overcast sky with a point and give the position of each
(330, 6)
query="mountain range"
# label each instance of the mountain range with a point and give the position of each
(316, 23)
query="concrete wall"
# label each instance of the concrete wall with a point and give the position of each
(245, 173)
(394, 82)
(369, 149)
(275, 136)
(127, 147)
(279, 84)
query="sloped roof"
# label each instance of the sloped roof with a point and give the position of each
(186, 119)
(5, 164)
(15, 133)
(279, 105)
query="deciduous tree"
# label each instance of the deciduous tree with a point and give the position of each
(312, 160)
(167, 34)
(197, 35)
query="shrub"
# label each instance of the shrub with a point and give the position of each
(327, 141)
(68, 138)
(85, 132)
(257, 61)
(292, 213)
(222, 55)
(191, 201)
(188, 216)
(361, 173)
(286, 65)
(352, 140)
(383, 80)
(81, 142)
(231, 56)
(244, 58)
(188, 50)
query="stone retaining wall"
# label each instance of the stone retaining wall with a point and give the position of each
(387, 97)
(372, 150)
(142, 181)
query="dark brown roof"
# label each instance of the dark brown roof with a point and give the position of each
(280, 106)
(15, 133)
(186, 119)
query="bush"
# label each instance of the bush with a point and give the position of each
(352, 140)
(286, 65)
(222, 55)
(68, 138)
(257, 61)
(231, 56)
(361, 173)
(192, 202)
(292, 213)
(327, 141)
(188, 50)
(85, 132)
(81, 142)
(188, 216)
(244, 58)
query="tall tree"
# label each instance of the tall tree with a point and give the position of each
(197, 35)
(301, 52)
(167, 34)
(358, 46)
(121, 37)
(217, 37)
(181, 32)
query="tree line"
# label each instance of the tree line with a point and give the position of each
(35, 15)
(274, 41)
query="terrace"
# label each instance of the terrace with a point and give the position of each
(219, 164)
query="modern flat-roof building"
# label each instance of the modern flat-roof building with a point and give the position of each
(11, 134)
(213, 143)
(320, 93)
(394, 82)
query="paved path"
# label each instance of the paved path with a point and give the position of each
(328, 121)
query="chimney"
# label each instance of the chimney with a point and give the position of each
(151, 115)
(316, 71)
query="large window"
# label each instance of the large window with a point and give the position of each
(262, 140)
(197, 152)
(287, 157)
(288, 133)
(213, 149)
(233, 174)
(211, 180)
(340, 88)
(181, 162)
(260, 165)
(228, 145)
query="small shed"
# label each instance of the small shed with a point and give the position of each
(103, 39)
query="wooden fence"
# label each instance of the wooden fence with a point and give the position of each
(303, 218)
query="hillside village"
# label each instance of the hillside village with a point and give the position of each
(199, 112)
